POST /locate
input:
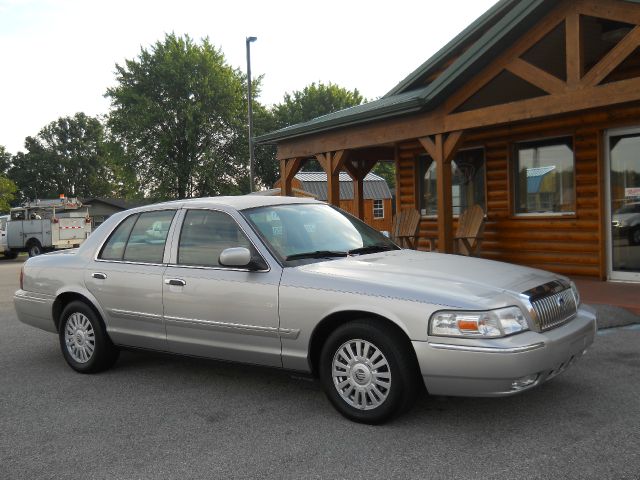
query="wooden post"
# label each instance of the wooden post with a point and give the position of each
(288, 169)
(358, 170)
(332, 163)
(442, 151)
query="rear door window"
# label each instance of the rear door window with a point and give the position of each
(140, 238)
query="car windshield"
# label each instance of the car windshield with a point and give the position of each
(315, 231)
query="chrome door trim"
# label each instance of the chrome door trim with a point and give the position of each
(237, 327)
(135, 315)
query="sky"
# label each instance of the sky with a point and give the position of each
(58, 57)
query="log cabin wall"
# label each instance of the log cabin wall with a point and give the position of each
(572, 244)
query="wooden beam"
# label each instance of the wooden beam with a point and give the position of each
(536, 76)
(615, 57)
(611, 10)
(451, 145)
(526, 41)
(430, 146)
(358, 168)
(574, 50)
(288, 169)
(570, 101)
(332, 163)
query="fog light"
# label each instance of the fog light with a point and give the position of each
(523, 382)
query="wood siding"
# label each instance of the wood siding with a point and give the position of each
(380, 224)
(573, 244)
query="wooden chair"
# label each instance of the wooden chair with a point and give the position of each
(405, 228)
(468, 237)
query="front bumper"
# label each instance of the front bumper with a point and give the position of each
(488, 368)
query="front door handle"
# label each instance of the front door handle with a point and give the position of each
(177, 282)
(99, 275)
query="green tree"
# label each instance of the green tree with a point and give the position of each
(67, 156)
(5, 160)
(300, 106)
(178, 111)
(314, 101)
(7, 193)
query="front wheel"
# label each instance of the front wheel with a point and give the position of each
(84, 342)
(368, 371)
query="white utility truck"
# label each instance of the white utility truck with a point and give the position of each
(42, 225)
(4, 249)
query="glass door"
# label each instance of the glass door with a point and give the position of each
(623, 206)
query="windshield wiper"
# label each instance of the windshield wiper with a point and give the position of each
(371, 249)
(316, 254)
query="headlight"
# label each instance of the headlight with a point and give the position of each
(576, 294)
(490, 324)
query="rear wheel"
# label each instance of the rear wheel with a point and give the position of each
(634, 236)
(34, 248)
(84, 342)
(368, 372)
(10, 255)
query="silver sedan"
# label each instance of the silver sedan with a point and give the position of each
(299, 285)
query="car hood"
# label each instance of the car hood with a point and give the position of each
(451, 280)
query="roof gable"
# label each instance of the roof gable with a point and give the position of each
(503, 23)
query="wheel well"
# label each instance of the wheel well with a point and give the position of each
(65, 299)
(333, 321)
(32, 241)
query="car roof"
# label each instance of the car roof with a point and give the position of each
(240, 202)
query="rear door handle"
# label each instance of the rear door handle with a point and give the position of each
(177, 282)
(99, 275)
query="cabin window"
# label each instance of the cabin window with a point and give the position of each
(545, 172)
(467, 179)
(378, 209)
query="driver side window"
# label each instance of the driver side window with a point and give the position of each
(205, 234)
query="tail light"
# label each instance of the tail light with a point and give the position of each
(87, 220)
(22, 278)
(55, 220)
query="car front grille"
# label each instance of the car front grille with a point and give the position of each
(555, 309)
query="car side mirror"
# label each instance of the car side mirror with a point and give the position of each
(240, 257)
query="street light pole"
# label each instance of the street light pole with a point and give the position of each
(250, 114)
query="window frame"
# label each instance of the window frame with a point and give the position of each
(173, 260)
(131, 262)
(513, 162)
(381, 208)
(420, 181)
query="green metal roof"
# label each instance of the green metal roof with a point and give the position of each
(515, 16)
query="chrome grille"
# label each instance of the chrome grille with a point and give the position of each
(554, 310)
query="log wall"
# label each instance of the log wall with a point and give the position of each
(572, 245)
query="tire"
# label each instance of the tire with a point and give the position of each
(84, 342)
(34, 248)
(10, 255)
(634, 236)
(359, 391)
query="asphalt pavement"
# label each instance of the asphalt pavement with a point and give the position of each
(157, 416)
